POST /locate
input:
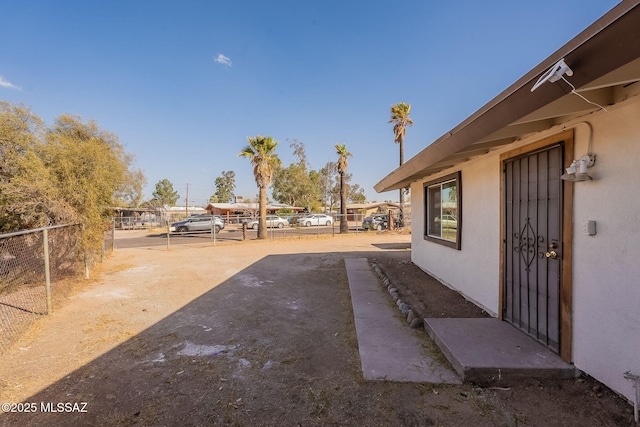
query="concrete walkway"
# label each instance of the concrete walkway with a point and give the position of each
(389, 349)
(480, 350)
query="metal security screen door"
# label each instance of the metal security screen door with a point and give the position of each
(533, 244)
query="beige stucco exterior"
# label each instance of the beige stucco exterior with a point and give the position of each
(463, 270)
(606, 266)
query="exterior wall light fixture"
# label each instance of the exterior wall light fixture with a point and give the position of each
(577, 172)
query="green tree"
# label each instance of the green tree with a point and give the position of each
(400, 119)
(342, 170)
(225, 188)
(89, 167)
(70, 172)
(28, 196)
(313, 196)
(328, 182)
(356, 194)
(131, 193)
(296, 185)
(261, 152)
(165, 193)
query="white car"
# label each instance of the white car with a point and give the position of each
(272, 221)
(315, 219)
(447, 221)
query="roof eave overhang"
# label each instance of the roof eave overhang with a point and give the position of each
(596, 57)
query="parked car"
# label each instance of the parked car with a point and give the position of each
(315, 219)
(272, 221)
(447, 221)
(197, 223)
(376, 222)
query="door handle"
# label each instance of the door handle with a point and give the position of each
(551, 255)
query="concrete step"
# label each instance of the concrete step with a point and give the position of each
(489, 350)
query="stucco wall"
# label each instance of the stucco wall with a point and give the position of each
(606, 267)
(473, 270)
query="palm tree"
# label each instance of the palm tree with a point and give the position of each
(261, 151)
(400, 119)
(342, 170)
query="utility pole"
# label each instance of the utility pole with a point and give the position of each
(186, 204)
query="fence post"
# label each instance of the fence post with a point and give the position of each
(168, 236)
(47, 273)
(113, 235)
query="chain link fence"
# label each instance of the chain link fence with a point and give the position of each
(199, 228)
(33, 267)
(36, 265)
(138, 223)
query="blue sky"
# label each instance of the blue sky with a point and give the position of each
(184, 83)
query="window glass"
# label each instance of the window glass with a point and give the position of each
(449, 212)
(434, 208)
(443, 210)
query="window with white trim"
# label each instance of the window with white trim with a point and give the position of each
(443, 209)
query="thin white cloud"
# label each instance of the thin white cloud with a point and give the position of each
(8, 85)
(221, 59)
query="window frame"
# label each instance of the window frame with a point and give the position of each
(457, 178)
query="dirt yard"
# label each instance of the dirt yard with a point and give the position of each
(256, 334)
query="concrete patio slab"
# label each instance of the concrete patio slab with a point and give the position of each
(485, 350)
(389, 349)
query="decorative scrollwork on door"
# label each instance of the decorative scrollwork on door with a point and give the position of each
(526, 244)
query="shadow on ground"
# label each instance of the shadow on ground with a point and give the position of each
(274, 344)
